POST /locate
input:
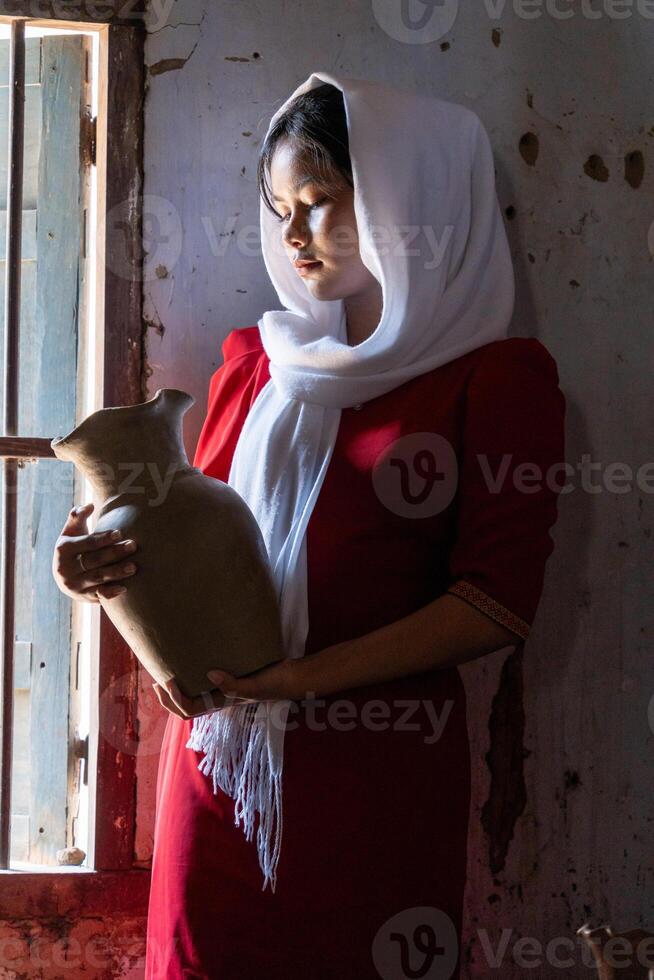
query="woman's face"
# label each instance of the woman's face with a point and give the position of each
(319, 226)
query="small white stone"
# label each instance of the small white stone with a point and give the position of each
(70, 855)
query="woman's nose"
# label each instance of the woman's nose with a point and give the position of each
(295, 233)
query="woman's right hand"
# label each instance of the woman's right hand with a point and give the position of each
(104, 560)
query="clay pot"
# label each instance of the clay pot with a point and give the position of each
(202, 596)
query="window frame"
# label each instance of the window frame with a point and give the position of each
(119, 163)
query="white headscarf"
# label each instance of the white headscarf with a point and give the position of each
(431, 232)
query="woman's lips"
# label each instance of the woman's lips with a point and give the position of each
(302, 270)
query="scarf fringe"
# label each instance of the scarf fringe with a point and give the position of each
(234, 740)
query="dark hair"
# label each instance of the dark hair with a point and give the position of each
(316, 120)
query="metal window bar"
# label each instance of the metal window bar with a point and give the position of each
(10, 411)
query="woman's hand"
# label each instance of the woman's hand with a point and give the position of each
(273, 683)
(104, 567)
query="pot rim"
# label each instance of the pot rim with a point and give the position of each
(126, 409)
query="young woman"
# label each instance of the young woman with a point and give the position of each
(378, 426)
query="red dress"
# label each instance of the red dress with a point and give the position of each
(375, 790)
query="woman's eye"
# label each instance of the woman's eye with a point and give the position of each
(318, 204)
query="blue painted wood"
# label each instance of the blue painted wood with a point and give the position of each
(48, 357)
(59, 237)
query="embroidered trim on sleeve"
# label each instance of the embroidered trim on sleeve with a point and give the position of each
(491, 607)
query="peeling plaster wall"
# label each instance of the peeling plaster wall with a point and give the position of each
(561, 821)
(96, 947)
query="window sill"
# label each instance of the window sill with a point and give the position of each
(73, 890)
(22, 867)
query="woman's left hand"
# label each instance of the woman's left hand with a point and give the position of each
(272, 683)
